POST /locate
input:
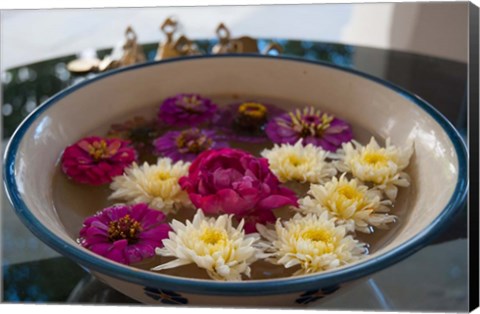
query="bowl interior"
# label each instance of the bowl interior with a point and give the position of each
(367, 105)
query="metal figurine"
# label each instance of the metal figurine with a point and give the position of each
(174, 48)
(167, 48)
(185, 47)
(131, 53)
(225, 44)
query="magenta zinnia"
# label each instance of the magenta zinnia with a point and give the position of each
(187, 145)
(312, 126)
(186, 110)
(125, 233)
(95, 160)
(234, 182)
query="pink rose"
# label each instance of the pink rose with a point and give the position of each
(234, 182)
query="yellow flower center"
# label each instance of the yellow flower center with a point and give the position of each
(309, 122)
(295, 160)
(124, 228)
(317, 235)
(214, 240)
(160, 184)
(349, 192)
(253, 110)
(344, 196)
(213, 236)
(321, 240)
(100, 150)
(163, 175)
(376, 159)
(193, 141)
(191, 104)
(191, 101)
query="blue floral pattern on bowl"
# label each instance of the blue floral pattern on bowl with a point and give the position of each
(314, 295)
(165, 296)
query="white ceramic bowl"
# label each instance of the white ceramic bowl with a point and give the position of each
(438, 168)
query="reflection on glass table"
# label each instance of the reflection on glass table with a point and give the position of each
(34, 273)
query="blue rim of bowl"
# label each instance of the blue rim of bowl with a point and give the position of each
(244, 288)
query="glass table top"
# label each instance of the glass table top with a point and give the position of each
(32, 272)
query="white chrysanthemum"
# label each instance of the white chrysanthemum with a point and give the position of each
(350, 202)
(213, 244)
(299, 163)
(313, 241)
(382, 166)
(157, 185)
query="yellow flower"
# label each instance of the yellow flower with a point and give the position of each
(299, 163)
(213, 244)
(350, 202)
(157, 185)
(313, 242)
(382, 166)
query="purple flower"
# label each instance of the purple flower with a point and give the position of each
(125, 233)
(234, 182)
(186, 110)
(139, 131)
(187, 145)
(313, 126)
(245, 122)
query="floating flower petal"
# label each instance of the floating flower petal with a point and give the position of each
(157, 185)
(310, 125)
(382, 166)
(246, 121)
(186, 110)
(312, 242)
(350, 202)
(212, 244)
(234, 182)
(125, 233)
(299, 163)
(95, 160)
(187, 145)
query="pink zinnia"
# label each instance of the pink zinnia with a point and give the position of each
(234, 182)
(125, 233)
(95, 160)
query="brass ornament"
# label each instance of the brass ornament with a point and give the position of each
(185, 47)
(167, 49)
(226, 44)
(132, 53)
(171, 48)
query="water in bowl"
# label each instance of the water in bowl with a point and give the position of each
(74, 202)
